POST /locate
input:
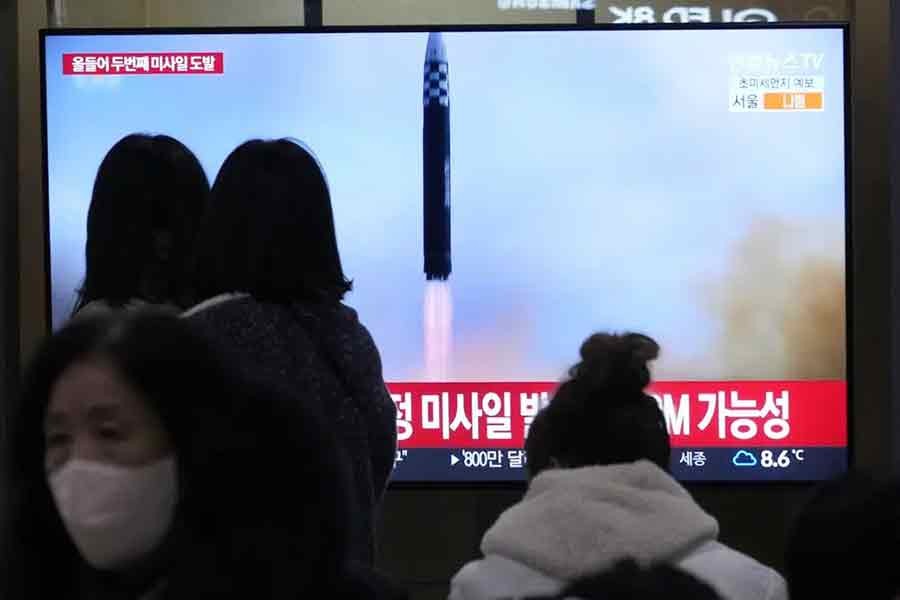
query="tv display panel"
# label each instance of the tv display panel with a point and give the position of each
(500, 194)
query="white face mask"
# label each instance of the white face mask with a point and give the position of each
(115, 515)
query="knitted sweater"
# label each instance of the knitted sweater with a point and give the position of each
(324, 356)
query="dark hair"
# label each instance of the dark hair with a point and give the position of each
(149, 196)
(263, 505)
(626, 580)
(270, 229)
(601, 415)
(846, 539)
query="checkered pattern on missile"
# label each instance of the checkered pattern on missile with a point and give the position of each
(437, 87)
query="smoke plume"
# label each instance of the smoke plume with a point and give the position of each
(780, 306)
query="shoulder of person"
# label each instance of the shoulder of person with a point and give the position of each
(92, 309)
(735, 575)
(100, 307)
(496, 577)
(157, 593)
(214, 302)
(364, 581)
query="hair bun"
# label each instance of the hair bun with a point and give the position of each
(616, 362)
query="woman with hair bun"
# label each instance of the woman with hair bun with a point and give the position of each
(600, 492)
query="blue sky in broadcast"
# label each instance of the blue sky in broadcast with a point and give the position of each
(598, 178)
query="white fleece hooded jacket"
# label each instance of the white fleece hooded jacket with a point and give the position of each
(577, 522)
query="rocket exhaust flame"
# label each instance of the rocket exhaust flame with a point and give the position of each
(438, 321)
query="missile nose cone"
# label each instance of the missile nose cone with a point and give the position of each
(436, 51)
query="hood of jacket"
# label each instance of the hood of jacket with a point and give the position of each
(573, 522)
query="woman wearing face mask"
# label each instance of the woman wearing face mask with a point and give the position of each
(141, 469)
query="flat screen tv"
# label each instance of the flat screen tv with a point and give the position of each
(501, 193)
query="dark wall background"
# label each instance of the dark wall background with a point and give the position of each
(9, 268)
(894, 155)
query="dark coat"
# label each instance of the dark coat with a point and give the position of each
(324, 356)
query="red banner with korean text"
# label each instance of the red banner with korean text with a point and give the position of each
(144, 63)
(698, 413)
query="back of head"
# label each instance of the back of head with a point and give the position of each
(262, 485)
(601, 415)
(270, 229)
(845, 540)
(149, 196)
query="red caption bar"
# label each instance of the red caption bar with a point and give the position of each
(698, 414)
(145, 63)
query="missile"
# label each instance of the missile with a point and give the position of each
(436, 160)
